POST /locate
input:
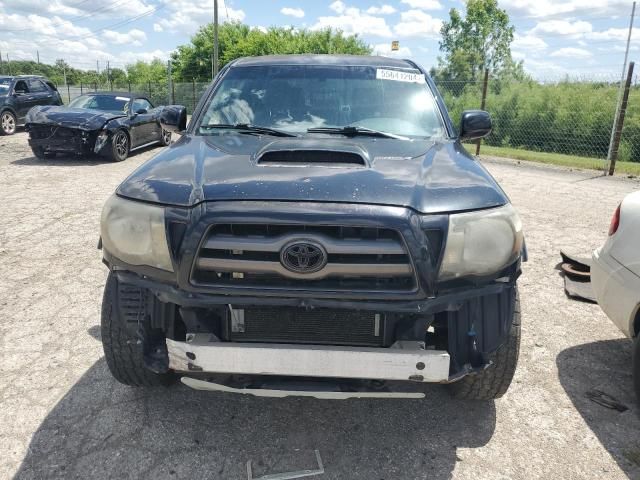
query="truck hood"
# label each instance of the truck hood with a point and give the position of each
(427, 176)
(70, 117)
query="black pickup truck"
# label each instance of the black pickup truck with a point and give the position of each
(318, 230)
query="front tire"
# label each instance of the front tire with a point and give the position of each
(495, 380)
(120, 146)
(122, 350)
(8, 123)
(165, 137)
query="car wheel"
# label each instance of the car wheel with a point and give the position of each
(495, 380)
(122, 350)
(119, 146)
(7, 123)
(166, 137)
(636, 368)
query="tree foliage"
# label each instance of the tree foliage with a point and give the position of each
(477, 41)
(193, 61)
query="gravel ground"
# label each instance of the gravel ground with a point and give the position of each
(63, 416)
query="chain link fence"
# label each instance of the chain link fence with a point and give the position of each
(183, 93)
(569, 117)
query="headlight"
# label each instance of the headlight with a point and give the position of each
(481, 243)
(135, 233)
(101, 139)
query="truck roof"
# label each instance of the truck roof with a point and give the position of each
(344, 60)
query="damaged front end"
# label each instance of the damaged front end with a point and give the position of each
(221, 311)
(69, 140)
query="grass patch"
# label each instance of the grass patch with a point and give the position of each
(629, 168)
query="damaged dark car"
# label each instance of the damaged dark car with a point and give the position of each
(317, 230)
(108, 124)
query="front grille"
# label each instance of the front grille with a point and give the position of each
(357, 258)
(43, 132)
(320, 327)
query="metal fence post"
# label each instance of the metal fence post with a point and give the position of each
(620, 121)
(193, 105)
(80, 88)
(68, 92)
(149, 87)
(129, 80)
(485, 83)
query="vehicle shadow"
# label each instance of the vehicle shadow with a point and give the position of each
(605, 366)
(101, 429)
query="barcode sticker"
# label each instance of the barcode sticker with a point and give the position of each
(398, 76)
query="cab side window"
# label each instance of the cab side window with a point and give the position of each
(36, 86)
(21, 86)
(141, 104)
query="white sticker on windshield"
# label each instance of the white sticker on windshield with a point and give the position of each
(398, 76)
(122, 98)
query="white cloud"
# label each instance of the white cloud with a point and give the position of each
(571, 52)
(416, 23)
(132, 37)
(382, 10)
(187, 16)
(528, 43)
(338, 6)
(547, 8)
(118, 9)
(353, 21)
(424, 4)
(292, 12)
(384, 49)
(561, 27)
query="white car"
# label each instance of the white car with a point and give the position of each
(615, 274)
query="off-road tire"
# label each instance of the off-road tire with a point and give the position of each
(494, 381)
(636, 368)
(122, 350)
(8, 123)
(119, 146)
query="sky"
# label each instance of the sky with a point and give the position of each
(555, 38)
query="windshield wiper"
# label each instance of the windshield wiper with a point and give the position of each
(353, 131)
(248, 128)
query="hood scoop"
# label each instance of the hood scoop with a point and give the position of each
(312, 152)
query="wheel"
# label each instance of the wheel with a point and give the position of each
(122, 350)
(495, 380)
(636, 368)
(7, 123)
(165, 138)
(119, 150)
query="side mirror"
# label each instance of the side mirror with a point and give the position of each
(173, 118)
(141, 111)
(474, 124)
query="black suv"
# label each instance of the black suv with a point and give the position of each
(18, 94)
(318, 230)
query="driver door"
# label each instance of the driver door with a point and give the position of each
(144, 128)
(23, 99)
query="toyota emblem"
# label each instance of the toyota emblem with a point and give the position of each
(303, 257)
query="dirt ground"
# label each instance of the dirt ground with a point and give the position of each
(63, 416)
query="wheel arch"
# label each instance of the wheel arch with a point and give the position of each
(635, 326)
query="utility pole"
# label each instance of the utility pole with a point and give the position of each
(620, 121)
(97, 67)
(9, 63)
(215, 38)
(1, 69)
(620, 93)
(38, 56)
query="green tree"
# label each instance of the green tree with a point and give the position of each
(480, 40)
(143, 72)
(193, 61)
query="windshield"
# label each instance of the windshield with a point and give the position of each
(295, 98)
(106, 103)
(5, 84)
